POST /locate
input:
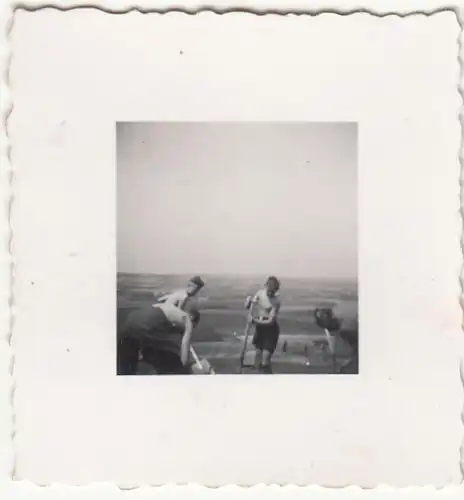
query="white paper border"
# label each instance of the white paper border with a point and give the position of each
(6, 314)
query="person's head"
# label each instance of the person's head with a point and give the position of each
(272, 285)
(324, 314)
(195, 284)
(327, 319)
(194, 316)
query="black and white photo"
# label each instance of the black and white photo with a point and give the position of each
(237, 248)
(234, 251)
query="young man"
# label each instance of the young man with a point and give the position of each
(264, 309)
(183, 298)
(163, 333)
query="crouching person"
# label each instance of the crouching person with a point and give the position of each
(163, 333)
(342, 321)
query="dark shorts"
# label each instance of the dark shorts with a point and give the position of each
(266, 337)
(350, 337)
(164, 362)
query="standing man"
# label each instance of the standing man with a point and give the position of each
(264, 310)
(163, 332)
(184, 298)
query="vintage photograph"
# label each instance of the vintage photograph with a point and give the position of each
(225, 194)
(237, 248)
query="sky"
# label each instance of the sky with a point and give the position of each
(237, 198)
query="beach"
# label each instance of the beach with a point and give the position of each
(219, 336)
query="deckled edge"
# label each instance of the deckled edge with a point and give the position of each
(460, 89)
(6, 257)
(8, 263)
(376, 7)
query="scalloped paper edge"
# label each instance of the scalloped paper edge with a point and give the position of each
(19, 489)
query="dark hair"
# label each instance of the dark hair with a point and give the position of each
(194, 316)
(273, 279)
(196, 280)
(326, 319)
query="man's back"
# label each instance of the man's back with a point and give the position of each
(148, 320)
(179, 298)
(176, 297)
(347, 313)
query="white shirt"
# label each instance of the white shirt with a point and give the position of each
(263, 305)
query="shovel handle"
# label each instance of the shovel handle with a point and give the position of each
(195, 357)
(198, 361)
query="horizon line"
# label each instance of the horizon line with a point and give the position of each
(237, 275)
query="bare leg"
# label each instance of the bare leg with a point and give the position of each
(266, 357)
(258, 358)
(266, 361)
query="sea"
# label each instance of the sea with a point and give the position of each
(219, 337)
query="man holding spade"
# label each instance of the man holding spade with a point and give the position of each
(264, 308)
(185, 299)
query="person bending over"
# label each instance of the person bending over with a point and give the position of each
(163, 333)
(342, 320)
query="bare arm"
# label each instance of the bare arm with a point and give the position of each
(186, 340)
(250, 318)
(272, 316)
(274, 312)
(267, 321)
